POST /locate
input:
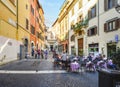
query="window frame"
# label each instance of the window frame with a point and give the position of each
(109, 24)
(27, 24)
(90, 15)
(94, 29)
(107, 4)
(32, 29)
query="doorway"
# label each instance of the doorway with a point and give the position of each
(80, 47)
(111, 49)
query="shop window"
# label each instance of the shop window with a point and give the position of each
(111, 48)
(93, 47)
(72, 50)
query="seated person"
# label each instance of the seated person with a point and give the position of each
(74, 65)
(111, 65)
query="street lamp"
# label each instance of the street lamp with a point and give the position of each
(118, 6)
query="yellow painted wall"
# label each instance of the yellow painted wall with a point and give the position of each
(22, 34)
(23, 13)
(7, 18)
(7, 30)
(6, 13)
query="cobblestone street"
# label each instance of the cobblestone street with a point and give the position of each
(40, 73)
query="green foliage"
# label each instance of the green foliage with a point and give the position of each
(116, 57)
(80, 52)
(80, 25)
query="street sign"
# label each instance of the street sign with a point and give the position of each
(116, 38)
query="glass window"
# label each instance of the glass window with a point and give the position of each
(26, 6)
(93, 14)
(110, 4)
(27, 23)
(32, 30)
(111, 25)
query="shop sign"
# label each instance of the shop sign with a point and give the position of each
(116, 38)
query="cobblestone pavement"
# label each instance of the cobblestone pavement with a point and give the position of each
(37, 74)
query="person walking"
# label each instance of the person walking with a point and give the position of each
(46, 54)
(32, 52)
(42, 52)
(64, 58)
(38, 52)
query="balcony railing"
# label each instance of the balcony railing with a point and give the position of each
(80, 25)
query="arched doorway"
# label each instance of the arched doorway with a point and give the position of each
(26, 44)
(32, 48)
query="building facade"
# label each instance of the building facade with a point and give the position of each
(37, 26)
(93, 26)
(8, 31)
(17, 25)
(62, 25)
(23, 31)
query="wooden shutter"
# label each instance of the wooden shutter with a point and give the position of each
(95, 30)
(88, 32)
(95, 11)
(113, 3)
(105, 27)
(89, 14)
(105, 5)
(117, 23)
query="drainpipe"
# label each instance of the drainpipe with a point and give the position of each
(98, 18)
(17, 20)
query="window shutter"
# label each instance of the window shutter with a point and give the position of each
(117, 24)
(105, 27)
(88, 33)
(95, 30)
(89, 14)
(105, 5)
(113, 3)
(95, 10)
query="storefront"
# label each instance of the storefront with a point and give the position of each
(93, 48)
(111, 48)
(64, 47)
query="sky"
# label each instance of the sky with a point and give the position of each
(51, 10)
